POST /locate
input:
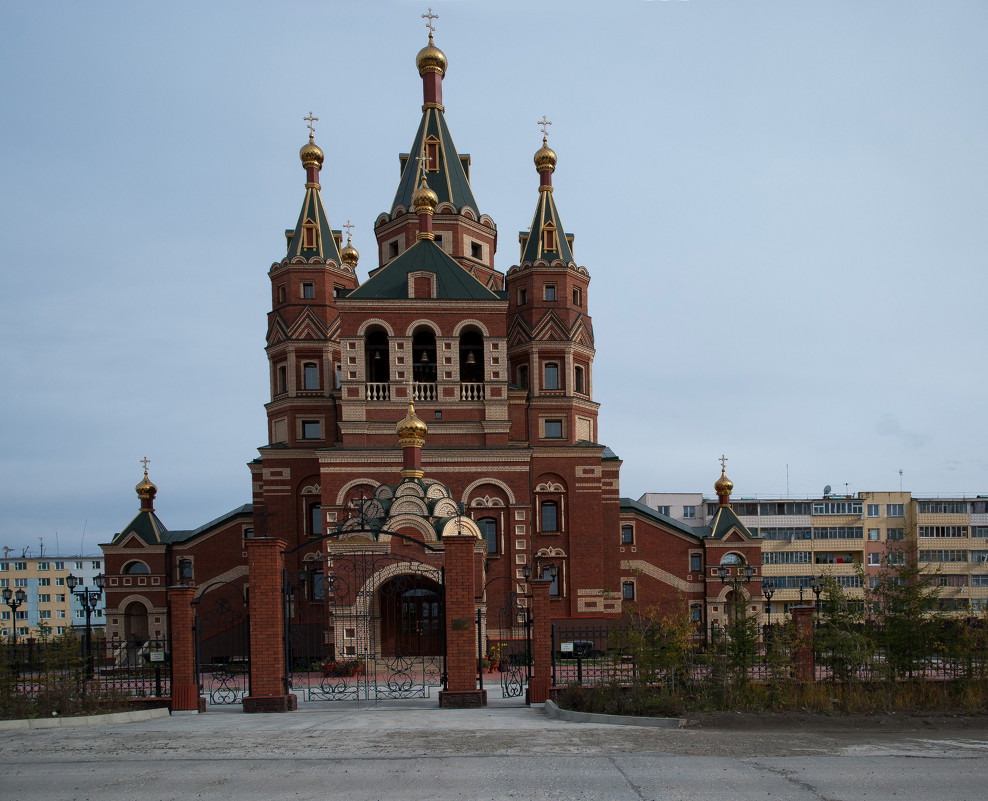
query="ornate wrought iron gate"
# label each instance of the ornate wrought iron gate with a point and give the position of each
(366, 627)
(222, 636)
(512, 642)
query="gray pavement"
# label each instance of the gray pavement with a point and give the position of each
(413, 750)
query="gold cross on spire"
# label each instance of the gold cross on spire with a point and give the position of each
(145, 461)
(723, 462)
(423, 168)
(543, 124)
(308, 122)
(430, 16)
(349, 227)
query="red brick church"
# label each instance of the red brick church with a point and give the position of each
(439, 395)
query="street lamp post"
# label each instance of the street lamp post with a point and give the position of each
(14, 600)
(816, 584)
(768, 590)
(89, 600)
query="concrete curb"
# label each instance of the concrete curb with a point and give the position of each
(556, 713)
(137, 716)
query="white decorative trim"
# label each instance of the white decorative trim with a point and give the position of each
(475, 323)
(488, 480)
(312, 489)
(420, 323)
(374, 321)
(355, 483)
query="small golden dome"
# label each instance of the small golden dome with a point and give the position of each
(545, 157)
(411, 430)
(349, 253)
(431, 59)
(311, 154)
(146, 490)
(424, 200)
(724, 485)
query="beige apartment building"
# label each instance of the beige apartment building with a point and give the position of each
(852, 538)
(47, 604)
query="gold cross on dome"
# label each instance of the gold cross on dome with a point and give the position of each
(308, 122)
(430, 16)
(426, 158)
(543, 124)
(145, 461)
(723, 462)
(349, 227)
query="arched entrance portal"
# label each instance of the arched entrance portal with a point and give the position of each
(411, 617)
(136, 622)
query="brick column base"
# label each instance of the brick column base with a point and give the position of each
(461, 627)
(274, 703)
(185, 690)
(268, 677)
(538, 685)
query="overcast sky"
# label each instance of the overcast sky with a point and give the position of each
(782, 206)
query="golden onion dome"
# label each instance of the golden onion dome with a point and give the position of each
(146, 490)
(724, 485)
(410, 429)
(424, 200)
(545, 157)
(349, 253)
(311, 154)
(431, 59)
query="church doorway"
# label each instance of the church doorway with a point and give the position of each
(411, 617)
(136, 622)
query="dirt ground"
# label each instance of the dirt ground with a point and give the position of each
(906, 723)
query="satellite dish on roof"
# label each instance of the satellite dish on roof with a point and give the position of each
(827, 489)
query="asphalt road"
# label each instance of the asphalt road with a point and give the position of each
(328, 752)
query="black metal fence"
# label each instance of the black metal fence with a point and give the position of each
(588, 655)
(62, 666)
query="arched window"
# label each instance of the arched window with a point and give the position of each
(315, 520)
(732, 559)
(376, 360)
(551, 376)
(471, 357)
(627, 535)
(523, 376)
(310, 375)
(579, 385)
(695, 613)
(488, 527)
(282, 379)
(424, 355)
(550, 516)
(136, 568)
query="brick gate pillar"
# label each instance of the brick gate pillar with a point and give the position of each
(802, 618)
(461, 625)
(538, 685)
(268, 677)
(185, 689)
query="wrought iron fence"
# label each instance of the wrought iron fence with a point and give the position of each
(111, 668)
(596, 654)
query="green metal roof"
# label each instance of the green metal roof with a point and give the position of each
(147, 527)
(450, 181)
(546, 214)
(452, 281)
(724, 520)
(629, 505)
(325, 243)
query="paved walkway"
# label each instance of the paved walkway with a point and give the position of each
(413, 750)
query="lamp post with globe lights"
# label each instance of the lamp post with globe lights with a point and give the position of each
(88, 600)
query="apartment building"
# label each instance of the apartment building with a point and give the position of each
(853, 538)
(48, 603)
